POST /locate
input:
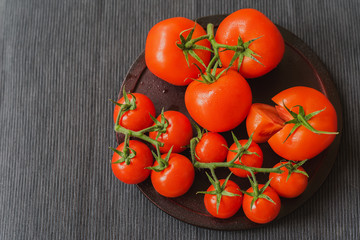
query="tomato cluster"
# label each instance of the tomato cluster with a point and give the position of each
(218, 98)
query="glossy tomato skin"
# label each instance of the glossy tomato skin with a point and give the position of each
(178, 134)
(248, 160)
(163, 57)
(138, 118)
(136, 171)
(251, 24)
(263, 211)
(219, 106)
(212, 147)
(304, 144)
(263, 121)
(229, 206)
(176, 179)
(292, 187)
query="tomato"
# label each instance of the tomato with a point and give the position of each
(288, 188)
(219, 106)
(136, 171)
(304, 144)
(229, 205)
(263, 121)
(165, 59)
(178, 133)
(138, 118)
(212, 147)
(263, 211)
(176, 179)
(250, 24)
(251, 160)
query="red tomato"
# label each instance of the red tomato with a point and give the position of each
(212, 147)
(251, 160)
(250, 24)
(229, 205)
(304, 144)
(136, 171)
(219, 106)
(138, 118)
(264, 121)
(178, 134)
(176, 179)
(263, 211)
(288, 188)
(165, 59)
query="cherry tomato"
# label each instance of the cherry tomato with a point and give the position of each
(263, 121)
(178, 133)
(304, 144)
(250, 24)
(212, 147)
(176, 179)
(138, 118)
(219, 106)
(165, 59)
(136, 171)
(251, 160)
(263, 211)
(229, 205)
(288, 188)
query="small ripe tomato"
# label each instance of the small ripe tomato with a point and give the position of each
(176, 179)
(263, 211)
(178, 133)
(288, 188)
(250, 24)
(229, 205)
(165, 59)
(138, 118)
(136, 171)
(304, 144)
(263, 121)
(212, 147)
(251, 160)
(219, 106)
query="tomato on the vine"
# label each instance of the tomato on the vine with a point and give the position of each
(176, 179)
(138, 118)
(288, 187)
(165, 59)
(252, 159)
(229, 205)
(178, 133)
(136, 171)
(263, 211)
(260, 56)
(303, 143)
(219, 106)
(212, 147)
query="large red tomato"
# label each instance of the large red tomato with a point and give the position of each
(219, 106)
(250, 24)
(165, 59)
(136, 171)
(138, 118)
(176, 179)
(178, 133)
(304, 144)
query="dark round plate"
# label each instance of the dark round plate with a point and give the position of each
(299, 67)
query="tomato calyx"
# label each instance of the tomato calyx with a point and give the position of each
(160, 126)
(126, 154)
(301, 119)
(294, 168)
(241, 150)
(257, 193)
(127, 105)
(219, 189)
(163, 163)
(187, 45)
